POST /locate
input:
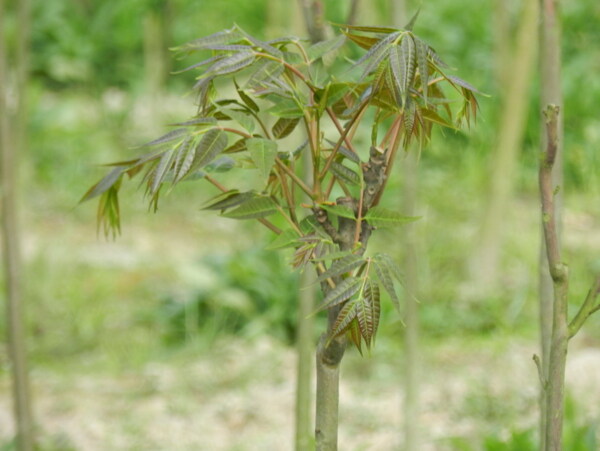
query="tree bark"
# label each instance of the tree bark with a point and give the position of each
(10, 240)
(551, 93)
(484, 266)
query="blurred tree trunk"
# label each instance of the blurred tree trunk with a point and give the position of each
(551, 93)
(314, 19)
(410, 269)
(12, 126)
(353, 12)
(485, 263)
(278, 22)
(502, 44)
(156, 60)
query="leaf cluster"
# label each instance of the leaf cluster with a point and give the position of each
(288, 83)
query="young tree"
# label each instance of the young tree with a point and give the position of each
(550, 94)
(397, 87)
(553, 380)
(12, 139)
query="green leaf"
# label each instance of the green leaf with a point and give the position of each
(284, 126)
(287, 108)
(389, 263)
(234, 63)
(168, 137)
(104, 184)
(423, 64)
(403, 64)
(376, 54)
(319, 49)
(185, 158)
(344, 173)
(263, 153)
(339, 210)
(367, 29)
(409, 26)
(287, 238)
(161, 170)
(343, 291)
(382, 217)
(253, 208)
(463, 84)
(432, 116)
(267, 70)
(372, 295)
(385, 277)
(246, 99)
(198, 121)
(228, 199)
(238, 146)
(366, 42)
(342, 266)
(221, 37)
(242, 118)
(211, 145)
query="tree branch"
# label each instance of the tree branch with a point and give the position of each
(587, 308)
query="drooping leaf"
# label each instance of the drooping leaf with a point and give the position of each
(104, 184)
(391, 265)
(342, 266)
(343, 291)
(385, 277)
(221, 164)
(264, 46)
(228, 199)
(263, 153)
(251, 104)
(253, 208)
(161, 170)
(339, 210)
(372, 296)
(344, 173)
(284, 126)
(460, 82)
(432, 116)
(364, 315)
(211, 145)
(355, 336)
(376, 54)
(344, 318)
(201, 63)
(382, 217)
(423, 64)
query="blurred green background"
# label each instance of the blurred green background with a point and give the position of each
(175, 335)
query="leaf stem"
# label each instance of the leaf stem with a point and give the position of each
(294, 177)
(272, 227)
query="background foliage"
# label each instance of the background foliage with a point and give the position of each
(173, 281)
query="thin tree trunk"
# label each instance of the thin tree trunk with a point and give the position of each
(314, 18)
(353, 12)
(411, 333)
(484, 266)
(502, 43)
(11, 245)
(555, 381)
(551, 93)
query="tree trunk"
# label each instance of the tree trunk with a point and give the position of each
(10, 237)
(484, 266)
(551, 93)
(502, 44)
(328, 382)
(554, 384)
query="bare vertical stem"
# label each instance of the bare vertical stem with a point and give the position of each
(551, 93)
(11, 249)
(560, 278)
